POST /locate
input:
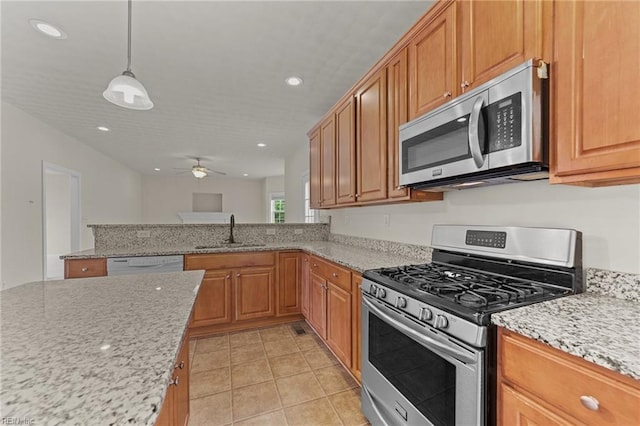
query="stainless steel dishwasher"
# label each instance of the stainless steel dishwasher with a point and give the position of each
(144, 264)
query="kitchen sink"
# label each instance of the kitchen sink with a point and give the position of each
(228, 245)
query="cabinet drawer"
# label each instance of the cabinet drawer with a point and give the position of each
(229, 260)
(332, 272)
(561, 380)
(84, 268)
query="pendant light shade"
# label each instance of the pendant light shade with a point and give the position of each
(124, 90)
(198, 171)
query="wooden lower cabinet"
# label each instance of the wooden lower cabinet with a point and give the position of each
(85, 268)
(356, 329)
(339, 322)
(318, 304)
(175, 408)
(304, 283)
(254, 293)
(289, 298)
(213, 304)
(538, 384)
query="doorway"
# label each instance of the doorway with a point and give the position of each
(60, 217)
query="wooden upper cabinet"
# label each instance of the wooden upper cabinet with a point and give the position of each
(396, 115)
(328, 162)
(346, 152)
(433, 64)
(315, 188)
(596, 95)
(498, 35)
(371, 138)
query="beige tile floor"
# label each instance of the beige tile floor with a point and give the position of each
(270, 376)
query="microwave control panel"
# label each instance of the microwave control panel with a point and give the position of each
(504, 122)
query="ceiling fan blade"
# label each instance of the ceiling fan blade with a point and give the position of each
(220, 173)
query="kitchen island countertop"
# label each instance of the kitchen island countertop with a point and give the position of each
(599, 328)
(357, 258)
(92, 350)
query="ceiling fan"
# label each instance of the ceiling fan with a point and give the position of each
(199, 171)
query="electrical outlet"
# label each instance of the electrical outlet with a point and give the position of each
(387, 220)
(297, 231)
(271, 231)
(143, 234)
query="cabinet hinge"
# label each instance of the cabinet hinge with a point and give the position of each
(543, 72)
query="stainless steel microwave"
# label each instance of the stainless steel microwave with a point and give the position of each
(496, 133)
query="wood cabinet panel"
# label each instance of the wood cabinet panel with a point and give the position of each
(315, 171)
(596, 97)
(318, 304)
(514, 35)
(229, 260)
(433, 64)
(289, 285)
(515, 409)
(254, 293)
(175, 407)
(328, 162)
(560, 380)
(371, 137)
(85, 268)
(346, 152)
(339, 322)
(356, 328)
(338, 275)
(213, 303)
(305, 285)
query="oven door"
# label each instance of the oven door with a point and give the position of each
(415, 375)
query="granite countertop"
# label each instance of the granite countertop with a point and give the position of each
(93, 350)
(597, 327)
(357, 258)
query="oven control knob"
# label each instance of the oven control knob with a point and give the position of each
(440, 322)
(425, 314)
(401, 302)
(373, 290)
(382, 293)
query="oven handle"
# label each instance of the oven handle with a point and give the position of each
(425, 340)
(366, 393)
(474, 130)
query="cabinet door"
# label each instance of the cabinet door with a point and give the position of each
(315, 184)
(166, 416)
(432, 64)
(346, 152)
(305, 285)
(356, 340)
(289, 276)
(181, 391)
(396, 115)
(498, 35)
(254, 293)
(516, 409)
(596, 92)
(339, 322)
(328, 163)
(318, 304)
(85, 268)
(213, 303)
(371, 152)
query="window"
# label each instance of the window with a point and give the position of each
(310, 215)
(277, 208)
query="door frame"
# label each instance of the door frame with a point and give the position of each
(75, 193)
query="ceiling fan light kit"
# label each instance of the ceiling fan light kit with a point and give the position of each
(124, 90)
(199, 172)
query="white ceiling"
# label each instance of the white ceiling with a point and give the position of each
(215, 71)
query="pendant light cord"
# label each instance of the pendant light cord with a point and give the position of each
(129, 41)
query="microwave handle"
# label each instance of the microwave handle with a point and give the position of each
(474, 132)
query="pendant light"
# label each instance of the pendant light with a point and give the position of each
(124, 90)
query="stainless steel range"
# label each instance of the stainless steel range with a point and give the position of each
(428, 349)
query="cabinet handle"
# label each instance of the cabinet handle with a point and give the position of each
(589, 402)
(357, 195)
(335, 275)
(446, 95)
(237, 275)
(85, 269)
(180, 366)
(174, 381)
(315, 265)
(228, 276)
(464, 85)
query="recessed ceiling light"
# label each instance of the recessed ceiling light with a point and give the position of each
(245, 174)
(156, 169)
(48, 29)
(103, 128)
(262, 145)
(294, 81)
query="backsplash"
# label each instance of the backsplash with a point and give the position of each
(400, 249)
(110, 237)
(615, 284)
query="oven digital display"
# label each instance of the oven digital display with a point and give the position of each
(486, 239)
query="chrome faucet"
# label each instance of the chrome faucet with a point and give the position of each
(232, 223)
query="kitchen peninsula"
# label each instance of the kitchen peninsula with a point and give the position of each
(93, 350)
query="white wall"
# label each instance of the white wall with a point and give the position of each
(295, 166)
(272, 185)
(110, 191)
(163, 197)
(609, 218)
